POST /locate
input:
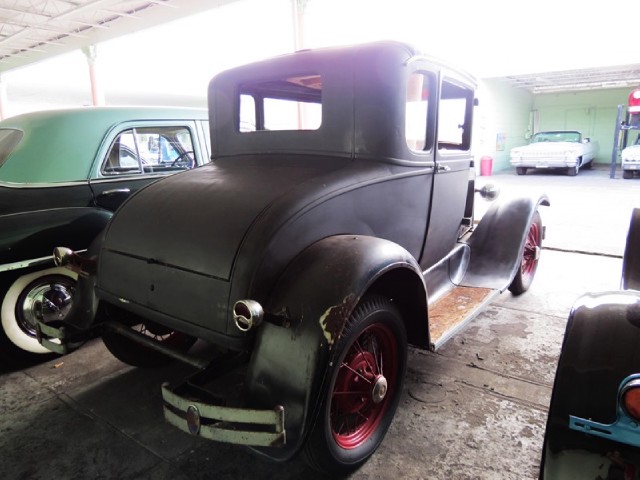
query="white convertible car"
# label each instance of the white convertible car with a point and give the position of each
(630, 157)
(564, 149)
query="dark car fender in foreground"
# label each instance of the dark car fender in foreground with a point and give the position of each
(594, 416)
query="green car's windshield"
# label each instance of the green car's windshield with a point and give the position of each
(9, 139)
(556, 137)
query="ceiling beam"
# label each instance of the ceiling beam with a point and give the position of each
(117, 23)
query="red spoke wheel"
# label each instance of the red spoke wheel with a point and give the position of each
(367, 373)
(530, 256)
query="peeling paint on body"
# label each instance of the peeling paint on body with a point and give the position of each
(332, 320)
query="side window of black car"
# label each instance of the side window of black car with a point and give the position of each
(150, 150)
(454, 118)
(419, 111)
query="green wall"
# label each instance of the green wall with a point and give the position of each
(504, 118)
(502, 122)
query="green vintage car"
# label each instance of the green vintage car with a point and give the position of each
(62, 175)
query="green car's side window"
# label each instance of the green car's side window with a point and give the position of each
(150, 150)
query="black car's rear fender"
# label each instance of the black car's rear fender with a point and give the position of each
(305, 316)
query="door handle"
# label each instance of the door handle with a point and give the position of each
(115, 191)
(443, 168)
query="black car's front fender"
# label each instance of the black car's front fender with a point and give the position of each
(497, 242)
(600, 350)
(631, 259)
(305, 316)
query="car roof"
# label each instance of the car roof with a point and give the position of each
(74, 136)
(356, 81)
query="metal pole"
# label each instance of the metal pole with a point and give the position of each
(3, 98)
(97, 95)
(297, 11)
(616, 143)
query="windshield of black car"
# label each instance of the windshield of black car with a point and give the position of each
(292, 102)
(9, 139)
(556, 137)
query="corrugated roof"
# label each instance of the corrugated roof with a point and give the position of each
(32, 30)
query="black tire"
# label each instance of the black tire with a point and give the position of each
(367, 367)
(521, 170)
(529, 257)
(573, 171)
(138, 355)
(627, 174)
(588, 165)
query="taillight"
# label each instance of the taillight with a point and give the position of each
(630, 398)
(634, 101)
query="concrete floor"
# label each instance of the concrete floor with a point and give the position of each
(476, 409)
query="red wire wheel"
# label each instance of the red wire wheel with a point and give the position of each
(530, 257)
(366, 373)
(366, 381)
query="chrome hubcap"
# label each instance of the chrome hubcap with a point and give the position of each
(379, 389)
(45, 303)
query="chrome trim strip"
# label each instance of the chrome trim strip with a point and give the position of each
(34, 262)
(74, 183)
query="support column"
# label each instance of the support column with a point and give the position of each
(97, 94)
(297, 10)
(3, 99)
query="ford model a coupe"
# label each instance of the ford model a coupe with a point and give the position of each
(333, 227)
(593, 427)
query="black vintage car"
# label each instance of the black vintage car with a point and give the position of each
(593, 427)
(62, 174)
(334, 227)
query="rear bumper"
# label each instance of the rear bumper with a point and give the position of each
(630, 165)
(184, 409)
(242, 426)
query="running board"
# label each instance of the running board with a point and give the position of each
(453, 311)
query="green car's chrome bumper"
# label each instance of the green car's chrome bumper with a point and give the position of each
(241, 426)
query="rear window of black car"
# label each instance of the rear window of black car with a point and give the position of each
(9, 139)
(287, 103)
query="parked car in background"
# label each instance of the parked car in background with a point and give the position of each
(630, 159)
(334, 227)
(560, 149)
(593, 427)
(62, 174)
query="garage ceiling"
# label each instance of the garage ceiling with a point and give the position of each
(623, 76)
(32, 30)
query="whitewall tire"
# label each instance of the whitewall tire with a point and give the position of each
(39, 295)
